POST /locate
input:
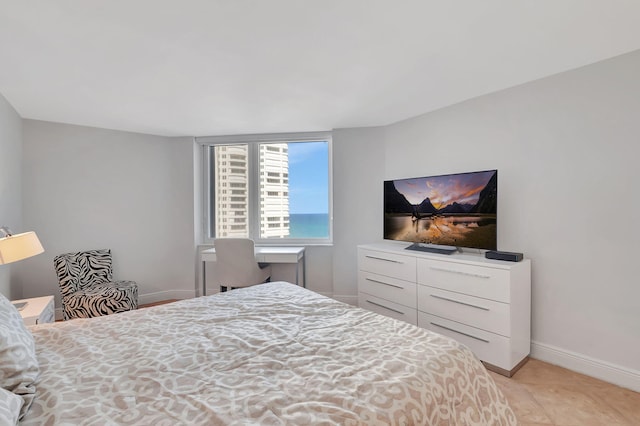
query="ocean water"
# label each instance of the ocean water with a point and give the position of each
(315, 225)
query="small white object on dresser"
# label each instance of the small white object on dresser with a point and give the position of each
(483, 303)
(38, 310)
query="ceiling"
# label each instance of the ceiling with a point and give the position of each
(214, 67)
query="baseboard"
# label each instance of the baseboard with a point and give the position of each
(351, 300)
(165, 295)
(599, 369)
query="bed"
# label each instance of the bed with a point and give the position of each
(271, 354)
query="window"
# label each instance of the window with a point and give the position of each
(281, 195)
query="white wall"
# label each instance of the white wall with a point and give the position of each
(10, 187)
(88, 188)
(358, 170)
(566, 148)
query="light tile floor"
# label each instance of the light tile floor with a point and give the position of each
(544, 394)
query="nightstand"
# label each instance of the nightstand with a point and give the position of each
(39, 310)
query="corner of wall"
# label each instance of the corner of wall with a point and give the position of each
(10, 184)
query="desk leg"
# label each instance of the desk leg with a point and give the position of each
(304, 270)
(204, 278)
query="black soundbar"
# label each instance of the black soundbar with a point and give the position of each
(504, 255)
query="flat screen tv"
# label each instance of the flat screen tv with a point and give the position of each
(458, 210)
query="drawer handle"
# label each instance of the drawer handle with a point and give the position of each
(382, 258)
(382, 282)
(460, 332)
(461, 303)
(435, 268)
(386, 307)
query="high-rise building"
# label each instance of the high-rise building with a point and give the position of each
(231, 186)
(274, 190)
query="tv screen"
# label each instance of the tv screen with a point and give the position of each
(453, 210)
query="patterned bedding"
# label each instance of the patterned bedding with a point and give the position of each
(271, 354)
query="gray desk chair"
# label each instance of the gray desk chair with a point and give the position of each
(236, 264)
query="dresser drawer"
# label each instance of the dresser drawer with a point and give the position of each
(388, 264)
(387, 308)
(485, 314)
(488, 347)
(485, 282)
(393, 289)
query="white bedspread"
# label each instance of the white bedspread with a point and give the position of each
(269, 355)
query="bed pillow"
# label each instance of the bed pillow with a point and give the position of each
(10, 404)
(17, 356)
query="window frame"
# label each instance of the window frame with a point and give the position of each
(253, 193)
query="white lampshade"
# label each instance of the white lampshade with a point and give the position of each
(19, 246)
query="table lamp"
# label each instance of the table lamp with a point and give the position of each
(14, 247)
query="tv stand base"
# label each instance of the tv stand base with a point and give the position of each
(432, 248)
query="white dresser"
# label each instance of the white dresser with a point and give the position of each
(483, 303)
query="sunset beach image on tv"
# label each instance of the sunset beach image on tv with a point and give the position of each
(455, 210)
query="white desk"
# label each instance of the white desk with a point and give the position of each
(265, 254)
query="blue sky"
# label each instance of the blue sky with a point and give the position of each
(308, 177)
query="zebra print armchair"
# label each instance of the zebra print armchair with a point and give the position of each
(87, 287)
